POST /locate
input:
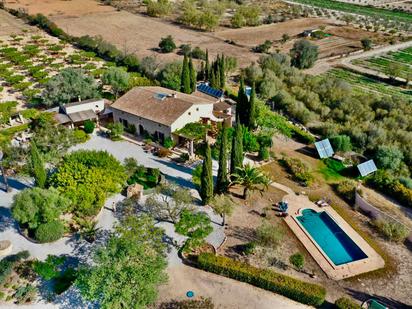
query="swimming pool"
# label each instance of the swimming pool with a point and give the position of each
(333, 241)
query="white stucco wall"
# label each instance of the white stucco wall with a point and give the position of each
(96, 106)
(148, 125)
(193, 114)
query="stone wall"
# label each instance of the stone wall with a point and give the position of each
(373, 212)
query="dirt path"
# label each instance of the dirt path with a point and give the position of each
(225, 292)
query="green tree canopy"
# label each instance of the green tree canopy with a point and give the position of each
(170, 75)
(117, 78)
(127, 270)
(36, 206)
(37, 166)
(251, 178)
(389, 157)
(222, 173)
(194, 225)
(304, 54)
(86, 177)
(68, 86)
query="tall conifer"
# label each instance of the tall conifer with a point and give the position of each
(185, 86)
(222, 173)
(193, 75)
(206, 182)
(236, 159)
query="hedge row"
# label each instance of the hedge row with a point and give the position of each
(346, 303)
(304, 292)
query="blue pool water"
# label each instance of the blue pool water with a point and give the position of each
(334, 242)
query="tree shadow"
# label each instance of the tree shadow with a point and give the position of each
(392, 303)
(308, 151)
(6, 220)
(243, 234)
(14, 184)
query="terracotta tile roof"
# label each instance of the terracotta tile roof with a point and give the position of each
(157, 104)
(221, 106)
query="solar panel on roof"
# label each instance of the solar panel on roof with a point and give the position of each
(324, 148)
(210, 91)
(367, 168)
(160, 96)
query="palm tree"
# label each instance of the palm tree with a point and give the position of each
(89, 231)
(250, 178)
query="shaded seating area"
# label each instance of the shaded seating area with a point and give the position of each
(282, 208)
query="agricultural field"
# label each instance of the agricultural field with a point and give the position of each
(402, 58)
(121, 30)
(27, 62)
(359, 9)
(364, 83)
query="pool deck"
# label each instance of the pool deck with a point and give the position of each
(337, 272)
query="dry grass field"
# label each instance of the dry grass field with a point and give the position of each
(141, 34)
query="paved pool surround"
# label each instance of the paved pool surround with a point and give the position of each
(337, 265)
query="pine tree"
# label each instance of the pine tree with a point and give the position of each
(193, 75)
(206, 182)
(185, 86)
(222, 177)
(252, 109)
(222, 75)
(236, 158)
(207, 66)
(37, 165)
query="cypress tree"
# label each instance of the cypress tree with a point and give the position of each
(193, 75)
(212, 79)
(222, 80)
(222, 177)
(206, 184)
(201, 75)
(185, 86)
(37, 165)
(252, 109)
(207, 66)
(242, 102)
(236, 158)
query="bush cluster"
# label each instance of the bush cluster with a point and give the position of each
(304, 292)
(386, 183)
(391, 230)
(347, 189)
(298, 170)
(50, 231)
(346, 303)
(7, 264)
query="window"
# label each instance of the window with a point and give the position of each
(197, 109)
(189, 113)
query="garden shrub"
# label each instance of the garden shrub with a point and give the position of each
(347, 189)
(7, 264)
(304, 292)
(89, 126)
(264, 153)
(387, 184)
(391, 230)
(269, 234)
(249, 248)
(25, 294)
(80, 136)
(298, 169)
(346, 303)
(168, 143)
(50, 231)
(49, 268)
(297, 260)
(164, 152)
